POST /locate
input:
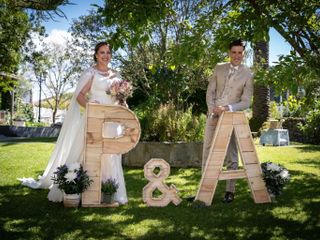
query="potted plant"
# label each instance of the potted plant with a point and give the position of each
(72, 180)
(275, 177)
(108, 189)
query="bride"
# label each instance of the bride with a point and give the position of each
(69, 148)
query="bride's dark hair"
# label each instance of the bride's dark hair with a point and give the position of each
(96, 49)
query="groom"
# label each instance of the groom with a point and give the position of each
(230, 89)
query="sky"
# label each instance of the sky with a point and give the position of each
(278, 46)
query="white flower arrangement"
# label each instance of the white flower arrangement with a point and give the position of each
(71, 178)
(275, 177)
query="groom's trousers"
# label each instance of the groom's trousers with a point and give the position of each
(231, 160)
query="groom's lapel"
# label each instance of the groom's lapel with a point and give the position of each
(226, 68)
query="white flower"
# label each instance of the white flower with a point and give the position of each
(74, 167)
(70, 176)
(284, 174)
(273, 167)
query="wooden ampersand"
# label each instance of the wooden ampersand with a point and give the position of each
(169, 194)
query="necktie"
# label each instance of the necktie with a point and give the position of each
(232, 70)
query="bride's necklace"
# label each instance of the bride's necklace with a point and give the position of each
(102, 72)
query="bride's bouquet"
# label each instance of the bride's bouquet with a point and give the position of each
(121, 90)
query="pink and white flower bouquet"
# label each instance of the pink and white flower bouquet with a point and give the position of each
(121, 90)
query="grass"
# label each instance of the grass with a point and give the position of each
(26, 213)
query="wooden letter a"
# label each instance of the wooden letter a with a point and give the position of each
(229, 122)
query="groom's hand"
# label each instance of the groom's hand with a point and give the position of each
(218, 110)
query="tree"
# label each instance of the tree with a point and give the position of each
(14, 29)
(211, 25)
(298, 22)
(56, 69)
(261, 93)
(15, 25)
(42, 8)
(161, 57)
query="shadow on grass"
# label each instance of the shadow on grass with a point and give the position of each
(26, 214)
(309, 148)
(309, 162)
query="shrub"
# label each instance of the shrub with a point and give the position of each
(169, 124)
(292, 124)
(36, 124)
(311, 129)
(274, 111)
(294, 107)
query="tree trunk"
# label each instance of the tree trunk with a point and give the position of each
(261, 93)
(54, 113)
(5, 101)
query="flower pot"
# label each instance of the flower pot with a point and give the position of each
(107, 198)
(71, 200)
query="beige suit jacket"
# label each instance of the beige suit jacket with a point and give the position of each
(236, 91)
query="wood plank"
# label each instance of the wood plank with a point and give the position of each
(117, 147)
(222, 138)
(242, 131)
(124, 139)
(239, 118)
(133, 123)
(211, 172)
(93, 169)
(261, 196)
(232, 174)
(257, 183)
(227, 118)
(205, 197)
(96, 184)
(95, 111)
(250, 158)
(208, 184)
(93, 153)
(119, 113)
(253, 170)
(91, 197)
(93, 137)
(246, 145)
(94, 144)
(217, 159)
(102, 205)
(94, 124)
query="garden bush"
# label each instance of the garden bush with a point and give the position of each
(311, 129)
(292, 124)
(169, 124)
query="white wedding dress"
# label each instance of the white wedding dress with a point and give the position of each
(70, 144)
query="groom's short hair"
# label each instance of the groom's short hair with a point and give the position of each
(238, 42)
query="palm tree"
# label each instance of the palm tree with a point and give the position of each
(261, 93)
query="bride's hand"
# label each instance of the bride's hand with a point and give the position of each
(124, 104)
(96, 101)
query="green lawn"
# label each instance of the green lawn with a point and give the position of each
(26, 213)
